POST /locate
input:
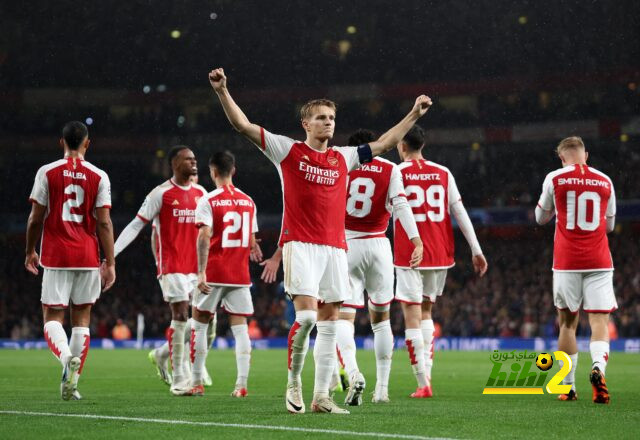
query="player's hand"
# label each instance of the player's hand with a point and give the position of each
(203, 287)
(422, 105)
(416, 255)
(107, 275)
(256, 253)
(218, 79)
(480, 265)
(31, 262)
(270, 269)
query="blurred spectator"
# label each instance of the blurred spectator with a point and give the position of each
(121, 331)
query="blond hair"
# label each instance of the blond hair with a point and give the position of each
(307, 109)
(570, 143)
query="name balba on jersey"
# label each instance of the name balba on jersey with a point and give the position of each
(318, 175)
(580, 181)
(74, 175)
(185, 215)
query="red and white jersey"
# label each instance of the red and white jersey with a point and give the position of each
(372, 187)
(171, 209)
(431, 190)
(231, 214)
(583, 198)
(314, 189)
(71, 189)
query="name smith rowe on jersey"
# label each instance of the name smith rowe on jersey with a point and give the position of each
(579, 181)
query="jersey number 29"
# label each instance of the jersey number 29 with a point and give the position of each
(434, 196)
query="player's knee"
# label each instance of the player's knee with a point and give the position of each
(307, 318)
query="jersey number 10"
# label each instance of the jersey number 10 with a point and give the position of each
(237, 222)
(580, 205)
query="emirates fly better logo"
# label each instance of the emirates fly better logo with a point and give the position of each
(526, 373)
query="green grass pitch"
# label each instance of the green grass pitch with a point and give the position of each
(122, 383)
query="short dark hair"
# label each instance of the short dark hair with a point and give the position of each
(414, 138)
(174, 152)
(361, 136)
(74, 133)
(223, 162)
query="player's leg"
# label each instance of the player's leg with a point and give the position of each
(333, 288)
(203, 307)
(56, 292)
(159, 357)
(345, 339)
(237, 303)
(409, 290)
(383, 348)
(84, 293)
(568, 324)
(434, 281)
(357, 264)
(301, 284)
(211, 336)
(599, 302)
(567, 296)
(80, 339)
(379, 285)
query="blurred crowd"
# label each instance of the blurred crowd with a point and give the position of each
(514, 299)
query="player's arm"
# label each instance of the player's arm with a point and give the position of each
(235, 115)
(34, 232)
(456, 207)
(129, 233)
(271, 266)
(394, 135)
(203, 243)
(611, 211)
(104, 229)
(545, 208)
(402, 211)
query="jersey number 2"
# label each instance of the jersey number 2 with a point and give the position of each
(67, 216)
(237, 222)
(580, 205)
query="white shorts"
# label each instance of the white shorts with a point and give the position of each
(316, 270)
(232, 299)
(594, 290)
(413, 285)
(61, 286)
(371, 268)
(178, 287)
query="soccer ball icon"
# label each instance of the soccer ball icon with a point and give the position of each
(544, 361)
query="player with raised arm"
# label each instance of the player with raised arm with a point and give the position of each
(314, 187)
(159, 356)
(226, 218)
(171, 208)
(584, 203)
(433, 196)
(71, 199)
(375, 191)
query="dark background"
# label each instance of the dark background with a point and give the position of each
(495, 69)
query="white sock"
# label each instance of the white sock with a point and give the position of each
(56, 338)
(298, 342)
(198, 350)
(176, 350)
(186, 361)
(347, 346)
(383, 347)
(79, 346)
(324, 354)
(243, 353)
(427, 335)
(570, 378)
(599, 354)
(415, 346)
(211, 332)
